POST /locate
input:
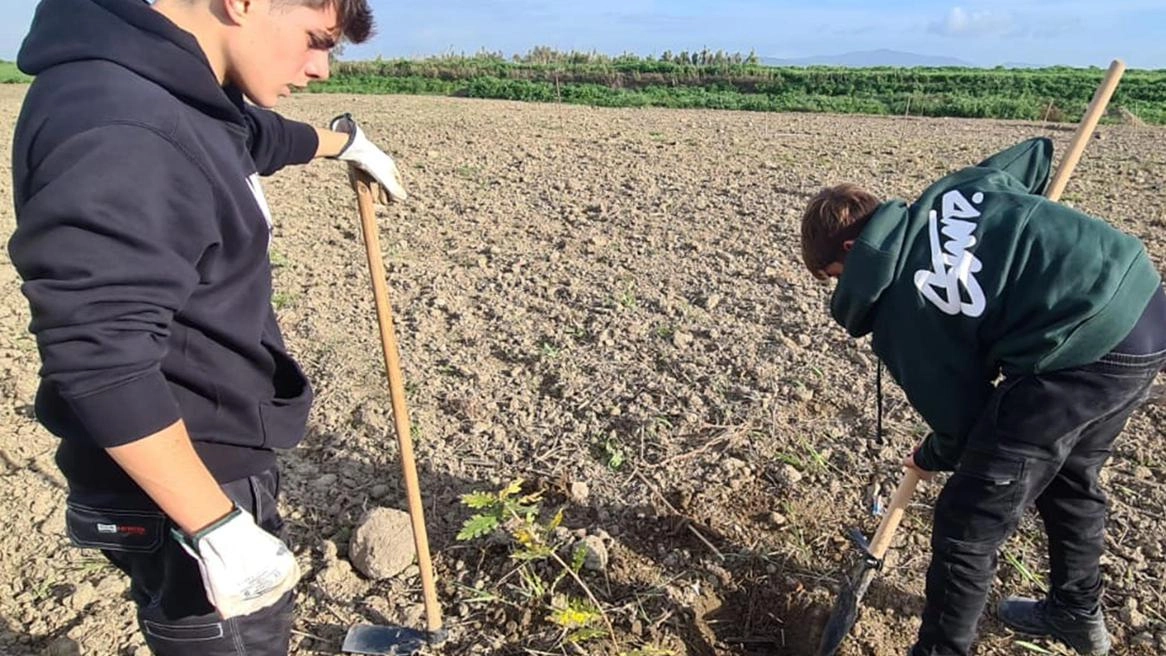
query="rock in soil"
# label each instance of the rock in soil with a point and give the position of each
(382, 546)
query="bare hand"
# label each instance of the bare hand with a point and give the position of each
(923, 474)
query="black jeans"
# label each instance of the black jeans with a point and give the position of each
(1042, 439)
(174, 614)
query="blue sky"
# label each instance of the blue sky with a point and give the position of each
(983, 32)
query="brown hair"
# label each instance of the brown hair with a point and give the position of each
(353, 17)
(836, 215)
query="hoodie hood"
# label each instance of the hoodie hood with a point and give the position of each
(131, 34)
(871, 267)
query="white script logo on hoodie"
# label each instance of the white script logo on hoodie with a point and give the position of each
(953, 264)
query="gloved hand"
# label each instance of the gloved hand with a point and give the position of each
(369, 158)
(244, 568)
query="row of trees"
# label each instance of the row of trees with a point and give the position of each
(1060, 84)
(547, 56)
(717, 79)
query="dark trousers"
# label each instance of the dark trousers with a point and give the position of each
(173, 612)
(1041, 440)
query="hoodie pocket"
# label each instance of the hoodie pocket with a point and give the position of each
(135, 531)
(286, 415)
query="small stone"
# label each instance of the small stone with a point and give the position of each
(382, 546)
(84, 595)
(732, 464)
(63, 647)
(1143, 639)
(712, 301)
(380, 491)
(790, 475)
(336, 576)
(142, 650)
(111, 586)
(411, 616)
(1132, 616)
(327, 481)
(777, 519)
(329, 550)
(681, 339)
(580, 492)
(596, 559)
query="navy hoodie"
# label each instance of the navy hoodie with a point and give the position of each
(142, 237)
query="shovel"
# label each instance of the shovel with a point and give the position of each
(868, 562)
(374, 639)
(870, 557)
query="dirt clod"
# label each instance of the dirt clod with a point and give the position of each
(382, 546)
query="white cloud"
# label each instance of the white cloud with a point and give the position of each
(961, 22)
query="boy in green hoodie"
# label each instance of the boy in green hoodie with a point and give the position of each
(982, 277)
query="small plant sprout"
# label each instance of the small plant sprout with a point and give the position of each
(532, 541)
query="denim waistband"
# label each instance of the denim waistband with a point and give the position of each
(1133, 360)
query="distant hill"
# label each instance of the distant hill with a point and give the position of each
(867, 58)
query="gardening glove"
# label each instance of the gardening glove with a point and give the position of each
(372, 160)
(244, 568)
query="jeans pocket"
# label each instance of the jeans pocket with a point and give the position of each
(258, 495)
(265, 490)
(113, 529)
(983, 499)
(993, 469)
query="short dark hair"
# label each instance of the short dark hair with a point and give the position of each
(353, 17)
(833, 217)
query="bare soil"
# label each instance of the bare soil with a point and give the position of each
(612, 297)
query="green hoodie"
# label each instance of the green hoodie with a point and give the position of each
(983, 275)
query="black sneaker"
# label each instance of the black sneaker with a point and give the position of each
(1085, 633)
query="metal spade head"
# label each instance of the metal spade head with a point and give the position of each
(382, 640)
(845, 612)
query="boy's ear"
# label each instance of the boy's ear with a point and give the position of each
(847, 245)
(237, 10)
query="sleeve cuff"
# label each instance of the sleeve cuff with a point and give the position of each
(929, 459)
(304, 142)
(127, 412)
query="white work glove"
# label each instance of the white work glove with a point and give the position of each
(244, 568)
(372, 160)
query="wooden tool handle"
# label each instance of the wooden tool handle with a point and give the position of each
(1085, 129)
(362, 183)
(882, 537)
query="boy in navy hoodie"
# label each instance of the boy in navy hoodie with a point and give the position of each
(142, 239)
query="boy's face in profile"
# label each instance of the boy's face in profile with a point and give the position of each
(278, 46)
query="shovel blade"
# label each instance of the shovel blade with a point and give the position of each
(845, 612)
(380, 640)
